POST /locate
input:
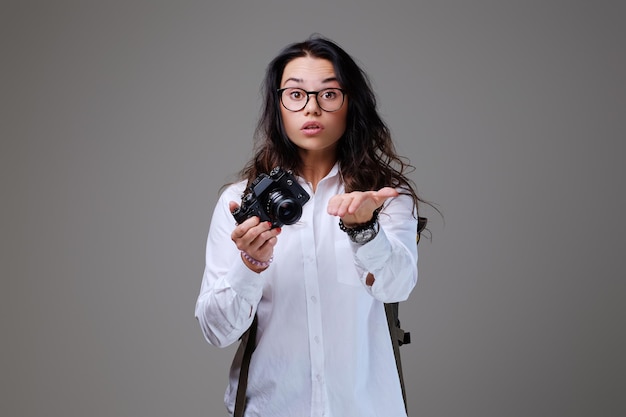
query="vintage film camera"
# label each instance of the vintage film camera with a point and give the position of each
(275, 198)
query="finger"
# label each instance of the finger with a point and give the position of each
(349, 204)
(360, 202)
(232, 206)
(269, 243)
(384, 194)
(334, 203)
(259, 234)
(263, 246)
(387, 192)
(242, 231)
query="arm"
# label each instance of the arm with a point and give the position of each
(230, 290)
(388, 263)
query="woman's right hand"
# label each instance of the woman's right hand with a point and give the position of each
(255, 238)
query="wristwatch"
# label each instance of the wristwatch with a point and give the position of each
(362, 233)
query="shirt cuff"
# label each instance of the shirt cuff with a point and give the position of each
(374, 254)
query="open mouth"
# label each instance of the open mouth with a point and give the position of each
(312, 127)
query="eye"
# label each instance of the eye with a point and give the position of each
(329, 95)
(296, 94)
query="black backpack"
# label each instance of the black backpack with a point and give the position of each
(398, 338)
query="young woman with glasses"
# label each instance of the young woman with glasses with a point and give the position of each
(313, 285)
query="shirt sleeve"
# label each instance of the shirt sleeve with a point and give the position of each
(230, 291)
(392, 255)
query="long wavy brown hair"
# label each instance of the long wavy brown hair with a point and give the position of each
(366, 153)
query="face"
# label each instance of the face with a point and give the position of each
(313, 130)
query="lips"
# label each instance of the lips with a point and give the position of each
(311, 128)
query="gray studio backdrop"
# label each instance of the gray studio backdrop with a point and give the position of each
(120, 120)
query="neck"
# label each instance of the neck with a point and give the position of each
(316, 168)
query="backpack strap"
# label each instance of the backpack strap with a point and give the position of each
(398, 337)
(243, 356)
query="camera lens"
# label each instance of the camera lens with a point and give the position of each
(285, 209)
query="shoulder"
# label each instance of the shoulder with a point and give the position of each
(399, 209)
(234, 191)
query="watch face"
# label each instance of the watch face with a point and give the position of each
(365, 236)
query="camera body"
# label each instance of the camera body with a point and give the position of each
(276, 198)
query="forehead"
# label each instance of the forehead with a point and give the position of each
(309, 69)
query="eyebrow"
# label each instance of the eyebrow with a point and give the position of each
(300, 80)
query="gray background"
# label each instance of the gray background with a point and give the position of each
(121, 119)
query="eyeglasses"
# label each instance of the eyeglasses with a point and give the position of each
(295, 99)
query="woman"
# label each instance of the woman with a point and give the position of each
(318, 286)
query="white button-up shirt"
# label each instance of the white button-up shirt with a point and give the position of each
(323, 345)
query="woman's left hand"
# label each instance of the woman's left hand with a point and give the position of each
(358, 207)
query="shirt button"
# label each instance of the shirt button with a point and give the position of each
(317, 340)
(314, 299)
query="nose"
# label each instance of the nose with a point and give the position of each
(312, 106)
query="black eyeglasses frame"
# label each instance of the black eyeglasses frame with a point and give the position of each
(308, 96)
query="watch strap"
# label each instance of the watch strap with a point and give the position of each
(364, 232)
